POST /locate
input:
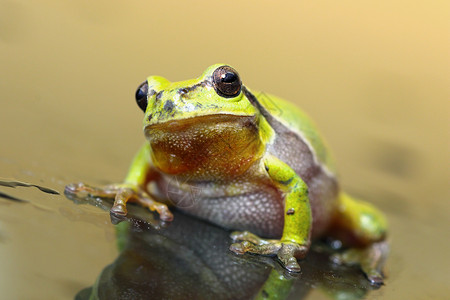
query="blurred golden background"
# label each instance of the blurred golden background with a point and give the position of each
(373, 75)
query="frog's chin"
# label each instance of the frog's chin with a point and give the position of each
(220, 143)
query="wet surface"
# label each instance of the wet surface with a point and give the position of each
(189, 259)
(374, 78)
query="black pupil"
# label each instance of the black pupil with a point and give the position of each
(228, 77)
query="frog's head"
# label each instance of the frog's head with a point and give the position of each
(218, 91)
(210, 116)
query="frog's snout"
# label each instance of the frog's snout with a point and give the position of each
(168, 106)
(165, 106)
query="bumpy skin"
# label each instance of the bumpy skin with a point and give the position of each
(244, 161)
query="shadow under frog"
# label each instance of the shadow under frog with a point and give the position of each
(189, 259)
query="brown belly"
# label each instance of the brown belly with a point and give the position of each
(258, 208)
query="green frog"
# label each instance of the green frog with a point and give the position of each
(250, 162)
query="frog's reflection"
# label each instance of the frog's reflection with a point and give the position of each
(189, 259)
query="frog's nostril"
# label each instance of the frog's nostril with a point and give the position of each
(168, 106)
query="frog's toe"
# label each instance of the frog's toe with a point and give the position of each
(164, 212)
(240, 248)
(375, 277)
(288, 254)
(246, 246)
(118, 210)
(292, 265)
(238, 236)
(371, 260)
(73, 187)
(78, 189)
(82, 190)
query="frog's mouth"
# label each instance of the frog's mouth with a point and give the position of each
(201, 121)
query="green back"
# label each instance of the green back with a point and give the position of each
(293, 117)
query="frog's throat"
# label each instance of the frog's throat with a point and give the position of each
(216, 146)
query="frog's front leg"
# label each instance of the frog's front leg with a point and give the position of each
(296, 237)
(132, 190)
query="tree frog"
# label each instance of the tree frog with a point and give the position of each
(252, 162)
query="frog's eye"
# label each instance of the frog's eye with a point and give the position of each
(226, 82)
(141, 95)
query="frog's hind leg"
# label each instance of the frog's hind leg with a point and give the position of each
(363, 227)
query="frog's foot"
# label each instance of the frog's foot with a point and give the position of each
(371, 260)
(361, 225)
(286, 251)
(122, 193)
